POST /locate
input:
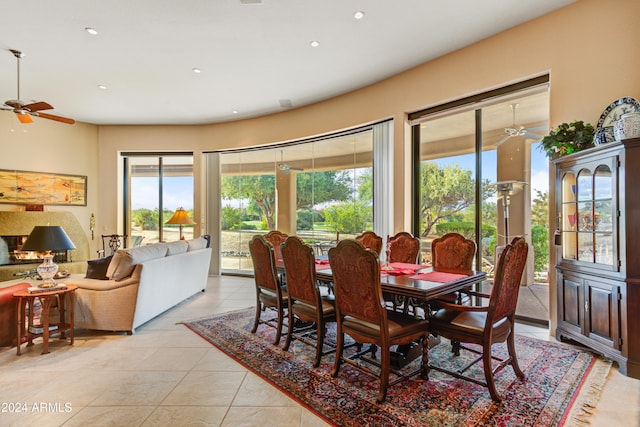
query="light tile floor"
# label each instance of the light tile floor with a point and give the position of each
(165, 374)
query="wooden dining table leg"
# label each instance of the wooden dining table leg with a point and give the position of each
(425, 358)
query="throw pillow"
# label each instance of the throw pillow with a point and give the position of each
(177, 247)
(97, 268)
(196, 244)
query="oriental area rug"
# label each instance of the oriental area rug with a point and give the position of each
(562, 383)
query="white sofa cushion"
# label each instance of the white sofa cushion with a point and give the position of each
(125, 260)
(177, 247)
(196, 244)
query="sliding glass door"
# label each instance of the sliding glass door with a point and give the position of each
(482, 175)
(158, 184)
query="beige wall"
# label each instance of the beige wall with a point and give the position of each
(47, 146)
(590, 50)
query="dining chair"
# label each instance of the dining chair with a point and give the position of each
(306, 303)
(404, 247)
(361, 313)
(269, 292)
(276, 238)
(111, 243)
(453, 253)
(487, 325)
(371, 241)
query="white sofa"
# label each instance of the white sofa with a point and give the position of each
(141, 283)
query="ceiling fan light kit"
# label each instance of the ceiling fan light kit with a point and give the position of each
(23, 110)
(516, 130)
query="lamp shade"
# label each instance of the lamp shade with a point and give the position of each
(180, 217)
(47, 238)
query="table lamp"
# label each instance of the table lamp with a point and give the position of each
(181, 218)
(46, 239)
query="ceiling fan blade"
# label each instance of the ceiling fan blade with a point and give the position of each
(24, 118)
(503, 140)
(56, 118)
(37, 106)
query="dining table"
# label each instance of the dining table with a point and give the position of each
(416, 281)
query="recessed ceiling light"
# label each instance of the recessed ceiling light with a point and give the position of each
(358, 15)
(103, 87)
(314, 43)
(235, 111)
(91, 31)
(196, 70)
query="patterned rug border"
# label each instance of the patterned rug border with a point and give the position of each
(576, 412)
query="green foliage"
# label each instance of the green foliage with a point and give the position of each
(350, 218)
(313, 188)
(260, 189)
(446, 191)
(568, 138)
(304, 219)
(466, 228)
(540, 209)
(540, 231)
(540, 241)
(146, 219)
(230, 218)
(365, 185)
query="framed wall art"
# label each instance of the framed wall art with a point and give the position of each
(29, 188)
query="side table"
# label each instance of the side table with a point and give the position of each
(46, 300)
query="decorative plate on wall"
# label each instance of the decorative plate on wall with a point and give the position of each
(612, 114)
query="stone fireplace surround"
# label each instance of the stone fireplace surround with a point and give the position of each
(21, 223)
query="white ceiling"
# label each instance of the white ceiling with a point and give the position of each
(252, 56)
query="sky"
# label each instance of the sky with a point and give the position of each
(178, 191)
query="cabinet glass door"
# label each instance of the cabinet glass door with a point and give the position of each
(588, 215)
(569, 217)
(603, 216)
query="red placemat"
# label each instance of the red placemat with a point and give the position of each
(322, 264)
(405, 266)
(438, 276)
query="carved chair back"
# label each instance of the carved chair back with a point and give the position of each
(356, 280)
(262, 255)
(453, 253)
(276, 238)
(299, 264)
(404, 247)
(371, 241)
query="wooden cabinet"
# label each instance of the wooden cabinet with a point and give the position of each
(598, 268)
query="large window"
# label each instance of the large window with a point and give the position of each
(482, 175)
(320, 190)
(158, 184)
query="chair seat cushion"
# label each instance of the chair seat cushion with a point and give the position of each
(270, 299)
(399, 324)
(446, 322)
(309, 310)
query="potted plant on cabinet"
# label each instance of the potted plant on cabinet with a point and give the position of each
(568, 138)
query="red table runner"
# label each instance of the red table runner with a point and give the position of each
(438, 276)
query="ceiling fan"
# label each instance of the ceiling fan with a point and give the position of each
(286, 168)
(516, 130)
(24, 110)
